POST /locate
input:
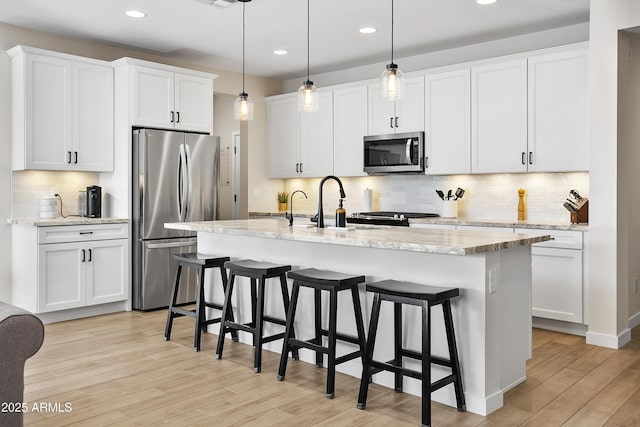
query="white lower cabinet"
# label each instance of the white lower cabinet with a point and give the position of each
(557, 279)
(77, 266)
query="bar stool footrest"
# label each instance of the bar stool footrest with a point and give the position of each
(295, 344)
(347, 357)
(342, 337)
(177, 312)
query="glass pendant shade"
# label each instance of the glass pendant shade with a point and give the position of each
(243, 107)
(308, 97)
(392, 83)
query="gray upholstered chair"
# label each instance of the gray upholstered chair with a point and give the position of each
(21, 336)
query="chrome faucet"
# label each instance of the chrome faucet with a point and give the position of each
(290, 217)
(320, 210)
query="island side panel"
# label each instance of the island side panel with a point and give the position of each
(478, 330)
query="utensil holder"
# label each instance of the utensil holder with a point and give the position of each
(582, 216)
(449, 209)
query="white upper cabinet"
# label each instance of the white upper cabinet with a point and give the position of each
(448, 123)
(170, 100)
(499, 117)
(349, 129)
(62, 111)
(558, 112)
(300, 144)
(405, 115)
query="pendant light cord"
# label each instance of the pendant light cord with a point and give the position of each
(243, 12)
(392, 31)
(308, 20)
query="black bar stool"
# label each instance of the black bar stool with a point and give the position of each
(324, 280)
(258, 272)
(200, 262)
(426, 297)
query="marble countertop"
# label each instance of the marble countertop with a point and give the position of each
(70, 220)
(452, 242)
(536, 225)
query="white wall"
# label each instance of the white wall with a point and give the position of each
(227, 83)
(607, 290)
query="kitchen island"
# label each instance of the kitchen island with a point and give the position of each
(492, 316)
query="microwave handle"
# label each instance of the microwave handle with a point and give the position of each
(408, 151)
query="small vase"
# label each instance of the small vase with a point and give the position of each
(283, 207)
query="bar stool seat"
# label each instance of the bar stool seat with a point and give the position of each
(258, 272)
(333, 282)
(424, 296)
(200, 262)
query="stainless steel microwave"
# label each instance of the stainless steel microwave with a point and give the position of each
(400, 152)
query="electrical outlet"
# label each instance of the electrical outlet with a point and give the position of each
(493, 281)
(257, 193)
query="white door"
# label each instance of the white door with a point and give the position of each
(92, 117)
(48, 113)
(499, 117)
(61, 276)
(193, 103)
(448, 123)
(558, 112)
(153, 98)
(316, 139)
(349, 129)
(282, 122)
(381, 112)
(107, 264)
(410, 109)
(235, 175)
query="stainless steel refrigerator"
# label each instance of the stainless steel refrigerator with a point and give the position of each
(174, 179)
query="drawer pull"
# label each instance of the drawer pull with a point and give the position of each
(86, 232)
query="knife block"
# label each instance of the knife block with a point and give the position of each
(582, 216)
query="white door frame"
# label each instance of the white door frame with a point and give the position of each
(235, 174)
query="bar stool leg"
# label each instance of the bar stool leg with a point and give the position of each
(223, 322)
(285, 300)
(397, 338)
(291, 314)
(426, 363)
(225, 281)
(453, 355)
(317, 302)
(331, 355)
(253, 307)
(174, 298)
(357, 311)
(257, 334)
(199, 309)
(366, 360)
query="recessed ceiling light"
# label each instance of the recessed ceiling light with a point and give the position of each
(135, 14)
(280, 52)
(367, 30)
(486, 1)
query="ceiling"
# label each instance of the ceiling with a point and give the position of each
(195, 31)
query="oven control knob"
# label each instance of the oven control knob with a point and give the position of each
(396, 217)
(401, 217)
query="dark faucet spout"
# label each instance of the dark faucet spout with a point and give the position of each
(291, 205)
(320, 210)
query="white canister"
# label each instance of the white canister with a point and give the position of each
(449, 209)
(49, 207)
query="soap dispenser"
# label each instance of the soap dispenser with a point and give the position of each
(341, 216)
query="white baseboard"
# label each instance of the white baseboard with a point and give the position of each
(609, 341)
(559, 326)
(634, 320)
(77, 313)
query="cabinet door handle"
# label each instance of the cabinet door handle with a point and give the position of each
(530, 157)
(297, 167)
(172, 117)
(75, 157)
(300, 167)
(426, 162)
(83, 255)
(524, 162)
(396, 121)
(391, 122)
(90, 255)
(178, 116)
(69, 157)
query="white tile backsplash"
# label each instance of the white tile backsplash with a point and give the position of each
(493, 196)
(27, 187)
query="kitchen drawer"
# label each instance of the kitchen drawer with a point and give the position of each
(82, 233)
(565, 239)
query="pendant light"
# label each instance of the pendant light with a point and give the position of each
(308, 98)
(392, 79)
(243, 105)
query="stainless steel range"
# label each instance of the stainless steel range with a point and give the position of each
(387, 217)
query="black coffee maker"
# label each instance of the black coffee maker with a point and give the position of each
(94, 201)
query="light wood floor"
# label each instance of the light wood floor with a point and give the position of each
(117, 370)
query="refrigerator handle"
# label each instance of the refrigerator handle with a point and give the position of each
(187, 201)
(170, 245)
(181, 184)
